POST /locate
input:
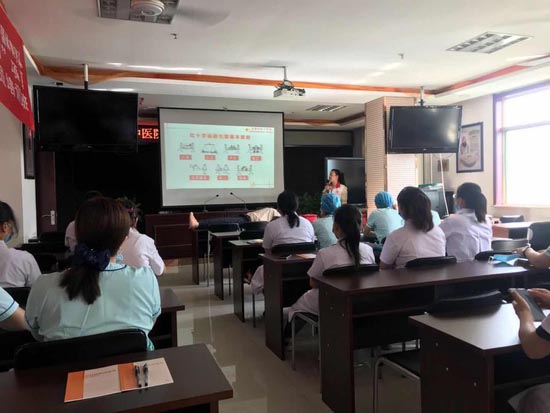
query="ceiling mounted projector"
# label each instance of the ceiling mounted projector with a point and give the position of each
(148, 8)
(286, 88)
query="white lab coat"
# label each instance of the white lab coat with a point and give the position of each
(327, 258)
(17, 268)
(466, 236)
(139, 250)
(279, 232)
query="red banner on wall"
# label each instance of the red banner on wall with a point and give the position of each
(14, 89)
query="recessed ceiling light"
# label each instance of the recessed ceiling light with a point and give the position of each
(392, 66)
(520, 58)
(488, 42)
(115, 64)
(122, 89)
(325, 108)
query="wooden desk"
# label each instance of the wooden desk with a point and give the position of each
(198, 386)
(466, 359)
(219, 248)
(285, 280)
(165, 331)
(358, 311)
(514, 230)
(244, 256)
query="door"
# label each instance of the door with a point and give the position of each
(46, 197)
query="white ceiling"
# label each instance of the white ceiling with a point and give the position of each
(349, 41)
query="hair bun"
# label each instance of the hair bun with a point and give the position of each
(85, 256)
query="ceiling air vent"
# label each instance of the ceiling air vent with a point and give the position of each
(325, 108)
(488, 42)
(151, 11)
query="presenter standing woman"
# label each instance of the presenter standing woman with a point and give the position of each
(336, 185)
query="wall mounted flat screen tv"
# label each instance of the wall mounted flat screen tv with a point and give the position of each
(424, 129)
(85, 120)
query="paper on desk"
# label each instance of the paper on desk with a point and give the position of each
(306, 255)
(255, 241)
(114, 379)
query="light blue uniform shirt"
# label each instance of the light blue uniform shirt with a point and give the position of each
(130, 298)
(384, 221)
(323, 231)
(7, 305)
(435, 218)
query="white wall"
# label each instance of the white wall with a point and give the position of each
(18, 192)
(473, 111)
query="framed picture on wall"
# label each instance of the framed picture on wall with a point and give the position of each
(28, 152)
(469, 156)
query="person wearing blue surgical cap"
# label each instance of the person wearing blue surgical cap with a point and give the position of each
(385, 219)
(323, 226)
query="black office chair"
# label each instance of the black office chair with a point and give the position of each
(296, 248)
(539, 235)
(9, 343)
(51, 353)
(407, 363)
(253, 230)
(19, 294)
(430, 262)
(227, 251)
(313, 319)
(506, 219)
(46, 262)
(285, 249)
(508, 244)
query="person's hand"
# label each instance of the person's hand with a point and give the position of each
(541, 297)
(521, 251)
(328, 187)
(521, 307)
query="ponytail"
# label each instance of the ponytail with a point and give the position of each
(348, 219)
(474, 199)
(287, 202)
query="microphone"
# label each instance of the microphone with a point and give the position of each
(208, 200)
(240, 199)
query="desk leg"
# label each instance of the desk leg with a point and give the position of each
(273, 293)
(337, 373)
(218, 267)
(238, 285)
(454, 377)
(174, 328)
(195, 256)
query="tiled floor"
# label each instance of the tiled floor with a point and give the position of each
(261, 381)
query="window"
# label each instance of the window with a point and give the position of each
(522, 146)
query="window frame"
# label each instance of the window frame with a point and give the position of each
(498, 136)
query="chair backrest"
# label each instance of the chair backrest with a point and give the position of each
(50, 353)
(430, 261)
(296, 248)
(248, 234)
(490, 299)
(540, 235)
(46, 262)
(224, 228)
(19, 294)
(505, 219)
(351, 269)
(254, 226)
(508, 244)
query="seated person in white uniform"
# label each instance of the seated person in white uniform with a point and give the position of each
(289, 229)
(139, 250)
(384, 219)
(96, 294)
(17, 268)
(535, 342)
(419, 238)
(11, 316)
(468, 231)
(347, 251)
(336, 185)
(323, 226)
(262, 214)
(70, 234)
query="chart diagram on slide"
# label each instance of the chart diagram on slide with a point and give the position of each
(219, 156)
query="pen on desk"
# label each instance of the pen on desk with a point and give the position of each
(136, 372)
(146, 374)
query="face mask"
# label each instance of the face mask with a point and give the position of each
(457, 207)
(8, 238)
(119, 258)
(507, 259)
